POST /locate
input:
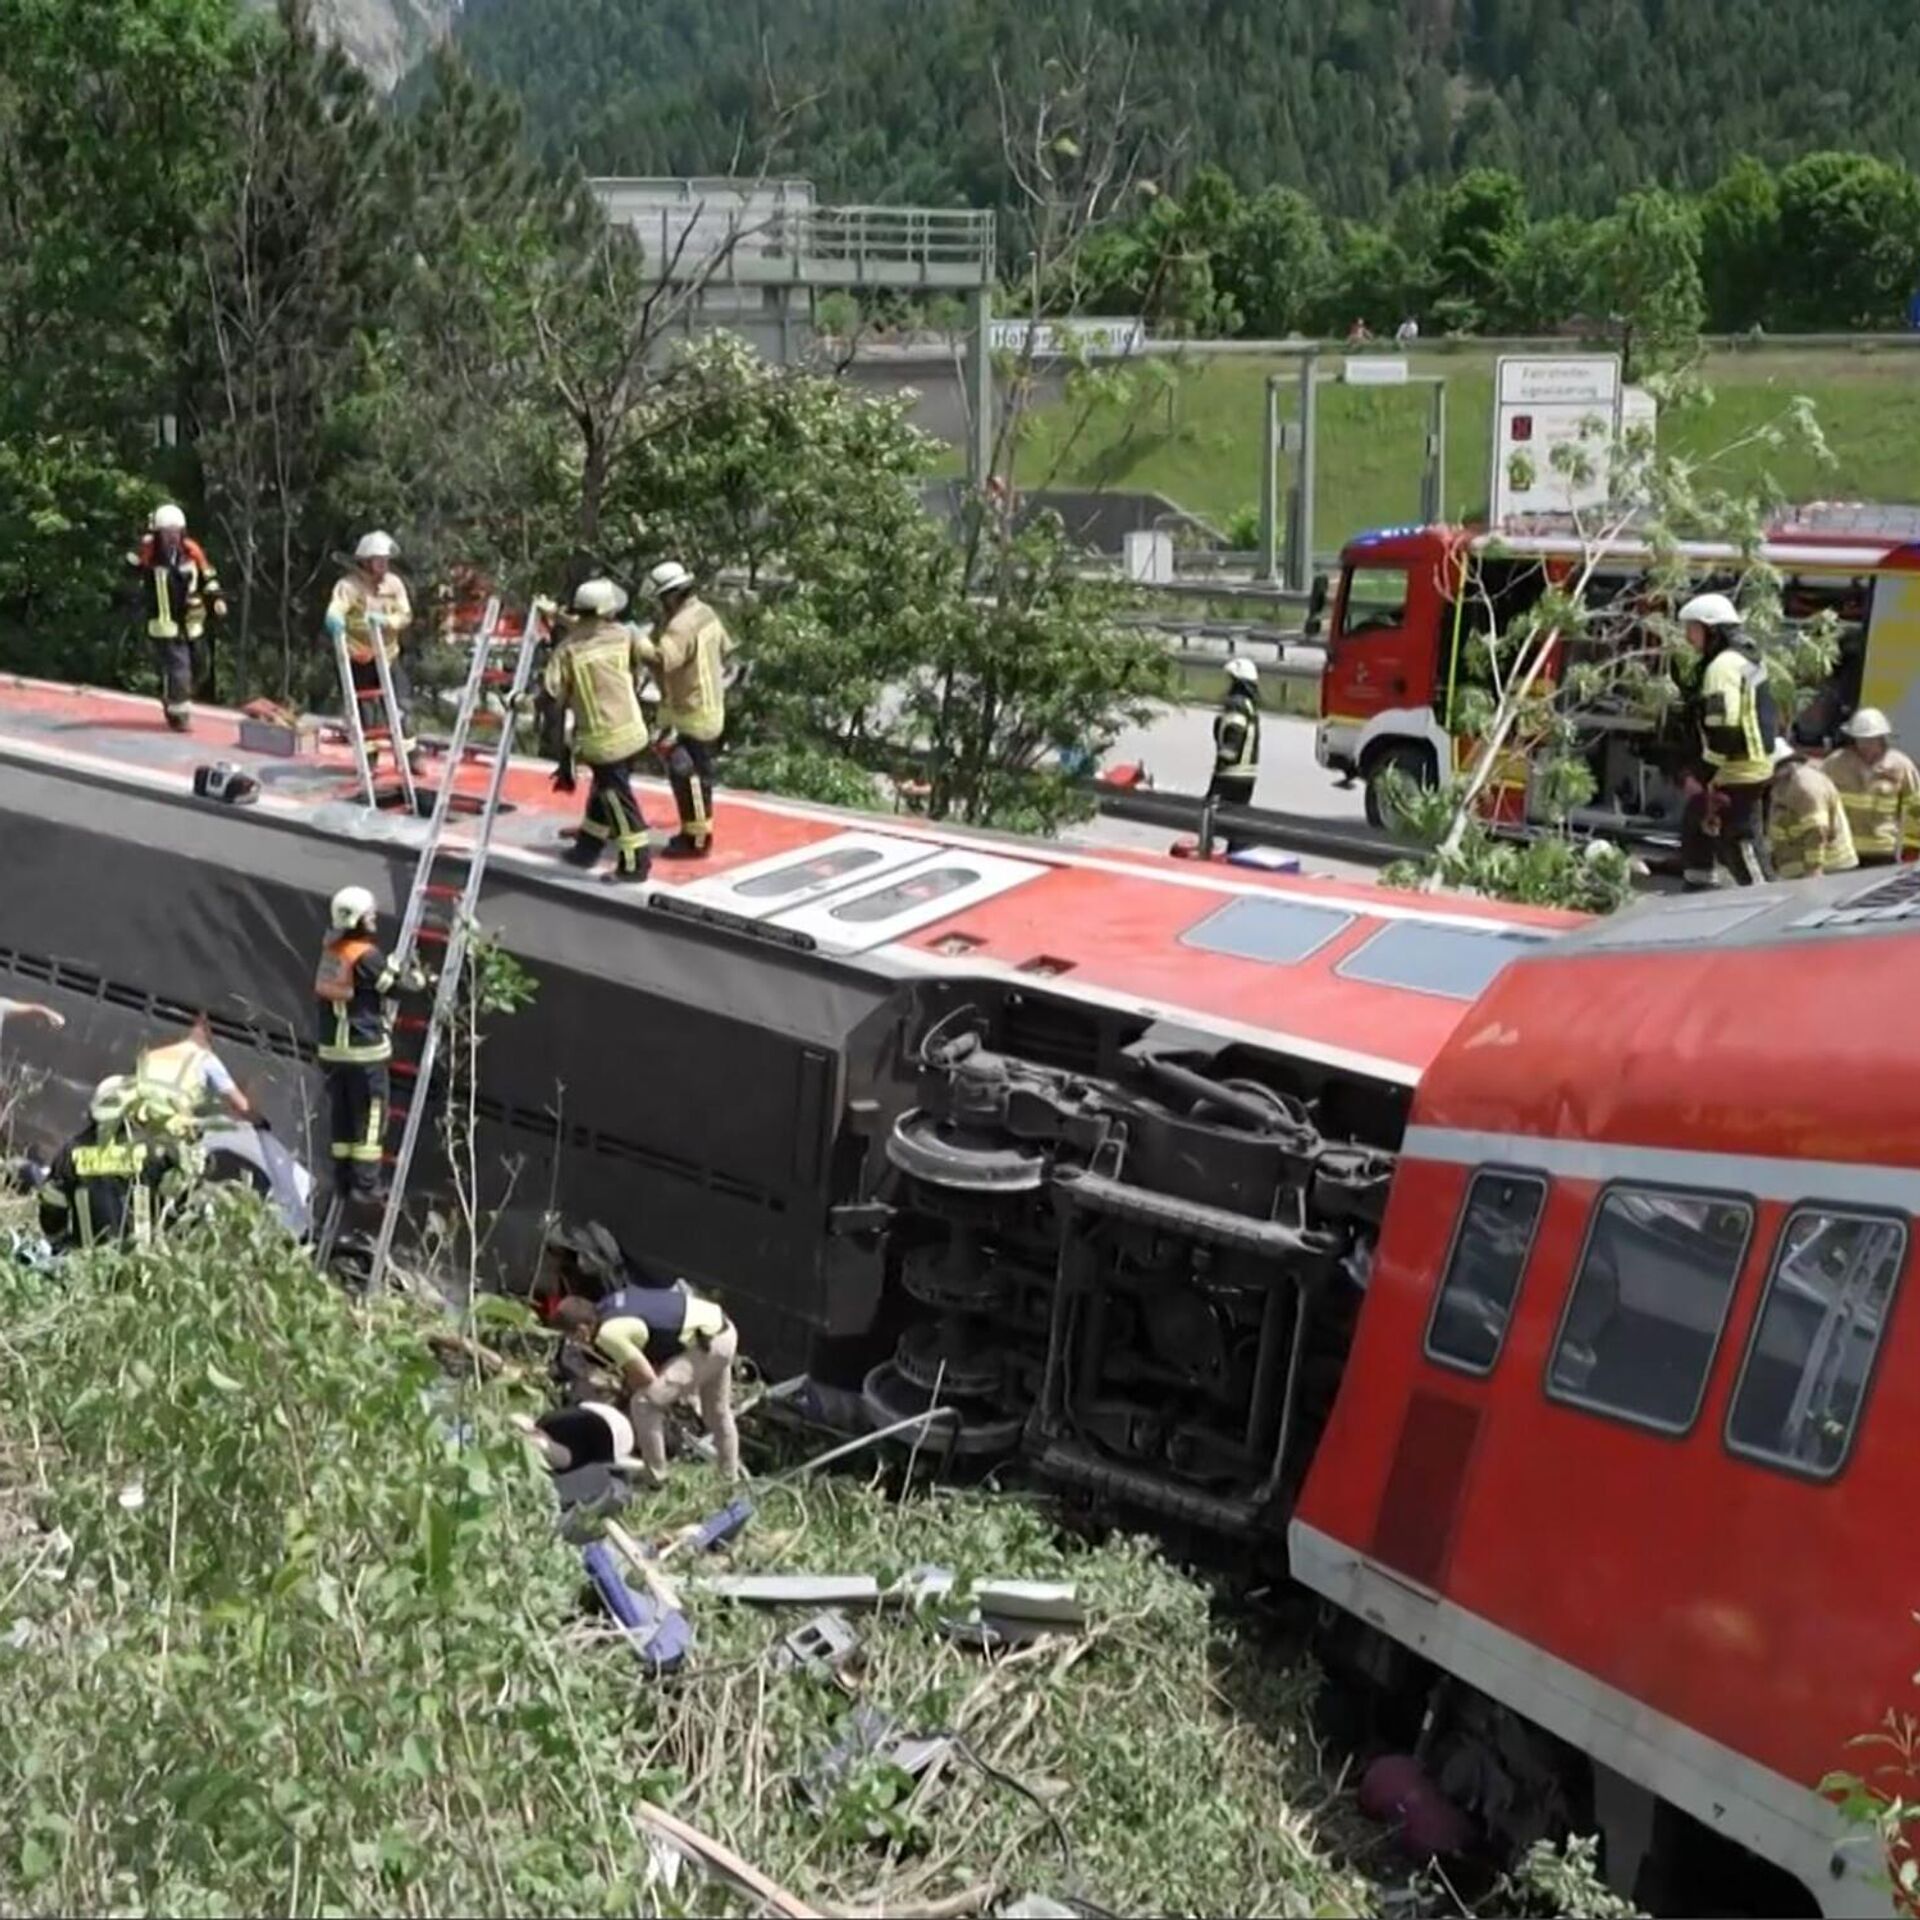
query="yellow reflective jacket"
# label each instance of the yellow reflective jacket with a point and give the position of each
(1882, 800)
(359, 603)
(1236, 738)
(1809, 827)
(689, 654)
(594, 672)
(1736, 711)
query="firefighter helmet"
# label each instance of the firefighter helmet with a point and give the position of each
(351, 908)
(1710, 610)
(375, 546)
(168, 519)
(1868, 723)
(599, 597)
(1243, 671)
(668, 577)
(110, 1101)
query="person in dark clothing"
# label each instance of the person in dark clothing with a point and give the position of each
(110, 1181)
(178, 589)
(1236, 741)
(1724, 825)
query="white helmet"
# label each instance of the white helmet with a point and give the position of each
(668, 577)
(375, 546)
(1710, 610)
(1868, 723)
(1783, 751)
(111, 1099)
(351, 908)
(599, 597)
(1244, 671)
(168, 519)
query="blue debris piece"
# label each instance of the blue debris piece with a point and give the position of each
(719, 1528)
(659, 1636)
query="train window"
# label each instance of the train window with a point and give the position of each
(1424, 956)
(807, 873)
(1277, 931)
(1490, 1249)
(1814, 1341)
(1648, 1303)
(915, 890)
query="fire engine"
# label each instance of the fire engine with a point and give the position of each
(1411, 601)
(1531, 1287)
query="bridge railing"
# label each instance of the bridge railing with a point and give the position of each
(818, 246)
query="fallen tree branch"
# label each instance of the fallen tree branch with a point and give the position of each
(956, 1906)
(723, 1861)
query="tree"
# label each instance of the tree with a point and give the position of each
(1277, 263)
(1550, 275)
(1740, 256)
(1850, 227)
(1482, 225)
(1645, 266)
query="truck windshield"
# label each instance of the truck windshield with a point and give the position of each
(1372, 599)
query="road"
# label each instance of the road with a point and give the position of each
(1177, 747)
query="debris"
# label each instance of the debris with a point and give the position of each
(659, 1636)
(868, 1734)
(862, 1442)
(710, 1854)
(1036, 1906)
(794, 1589)
(713, 1532)
(1007, 1604)
(1053, 1603)
(826, 1644)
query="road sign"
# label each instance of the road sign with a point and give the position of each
(1375, 370)
(1543, 405)
(1100, 339)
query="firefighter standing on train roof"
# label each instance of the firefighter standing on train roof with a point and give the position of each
(592, 679)
(1236, 740)
(1880, 789)
(1724, 825)
(688, 651)
(1807, 824)
(370, 609)
(178, 589)
(351, 988)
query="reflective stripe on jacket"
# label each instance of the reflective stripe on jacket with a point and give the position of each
(179, 1079)
(175, 588)
(594, 672)
(690, 656)
(358, 601)
(1882, 800)
(350, 987)
(1236, 738)
(1809, 830)
(1736, 718)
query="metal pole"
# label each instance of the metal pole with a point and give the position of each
(1309, 424)
(1270, 483)
(1433, 494)
(980, 390)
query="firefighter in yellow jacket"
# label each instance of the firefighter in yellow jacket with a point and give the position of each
(1807, 824)
(1724, 823)
(592, 678)
(688, 652)
(370, 610)
(178, 589)
(1880, 788)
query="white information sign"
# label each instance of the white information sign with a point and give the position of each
(1373, 370)
(1100, 338)
(1570, 401)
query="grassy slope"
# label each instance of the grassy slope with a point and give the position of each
(1202, 448)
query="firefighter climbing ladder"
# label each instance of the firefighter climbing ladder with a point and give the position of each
(389, 729)
(440, 908)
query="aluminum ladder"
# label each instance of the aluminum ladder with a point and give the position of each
(388, 725)
(440, 908)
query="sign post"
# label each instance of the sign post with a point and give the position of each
(1540, 406)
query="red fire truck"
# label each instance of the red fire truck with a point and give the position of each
(1412, 600)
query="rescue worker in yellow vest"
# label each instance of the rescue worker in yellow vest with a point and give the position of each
(188, 1076)
(178, 589)
(688, 652)
(667, 1342)
(1724, 824)
(592, 679)
(1236, 740)
(370, 610)
(1807, 824)
(1880, 789)
(351, 988)
(109, 1181)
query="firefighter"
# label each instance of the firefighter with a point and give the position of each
(351, 988)
(190, 1077)
(1807, 824)
(1724, 824)
(688, 650)
(1880, 789)
(370, 609)
(592, 677)
(109, 1180)
(667, 1342)
(178, 589)
(1236, 740)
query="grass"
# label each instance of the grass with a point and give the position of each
(1198, 441)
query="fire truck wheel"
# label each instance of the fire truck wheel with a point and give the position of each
(1414, 763)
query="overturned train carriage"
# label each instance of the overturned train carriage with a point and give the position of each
(1119, 1237)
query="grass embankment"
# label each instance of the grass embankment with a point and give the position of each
(1199, 444)
(285, 1626)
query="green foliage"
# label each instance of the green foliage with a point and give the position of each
(1850, 227)
(1645, 265)
(1740, 245)
(1482, 226)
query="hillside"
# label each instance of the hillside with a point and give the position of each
(386, 37)
(1349, 99)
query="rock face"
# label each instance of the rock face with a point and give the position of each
(385, 36)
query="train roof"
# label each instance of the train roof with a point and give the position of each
(1741, 1030)
(1348, 975)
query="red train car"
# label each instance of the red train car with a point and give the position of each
(1624, 1441)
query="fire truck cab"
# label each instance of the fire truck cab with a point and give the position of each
(1412, 601)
